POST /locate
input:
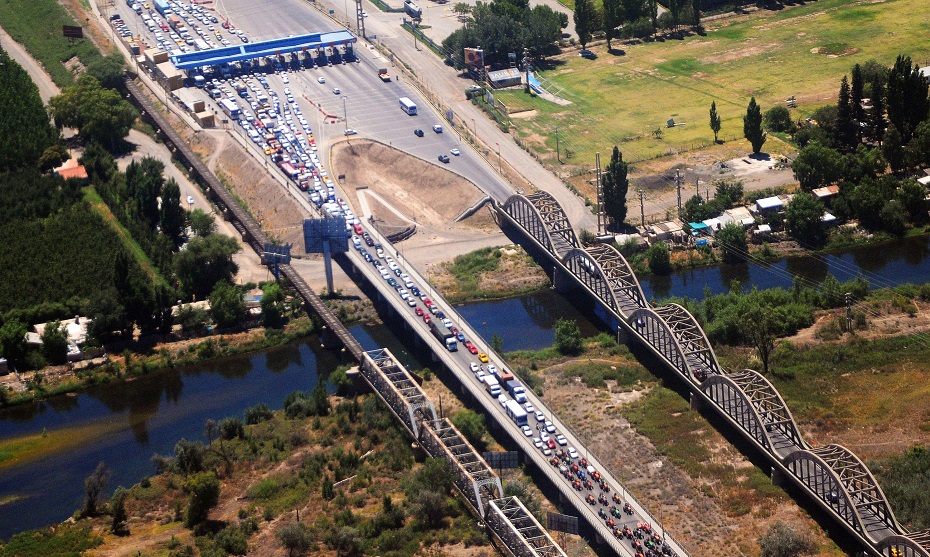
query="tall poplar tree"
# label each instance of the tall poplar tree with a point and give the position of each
(584, 19)
(614, 184)
(844, 135)
(752, 126)
(714, 120)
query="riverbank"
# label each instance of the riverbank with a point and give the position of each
(157, 355)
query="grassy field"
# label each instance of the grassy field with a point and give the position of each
(36, 24)
(802, 51)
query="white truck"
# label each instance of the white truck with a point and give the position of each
(492, 386)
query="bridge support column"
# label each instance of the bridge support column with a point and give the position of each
(561, 281)
(696, 403)
(778, 477)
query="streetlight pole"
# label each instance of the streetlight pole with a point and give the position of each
(345, 113)
(498, 156)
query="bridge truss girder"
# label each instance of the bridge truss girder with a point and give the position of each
(655, 331)
(770, 406)
(691, 337)
(580, 263)
(916, 544)
(519, 530)
(618, 274)
(398, 389)
(732, 400)
(843, 483)
(542, 216)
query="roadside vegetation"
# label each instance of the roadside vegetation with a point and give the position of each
(489, 273)
(37, 26)
(322, 475)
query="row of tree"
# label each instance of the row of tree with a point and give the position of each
(632, 18)
(504, 27)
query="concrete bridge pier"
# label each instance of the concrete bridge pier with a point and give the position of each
(697, 403)
(561, 281)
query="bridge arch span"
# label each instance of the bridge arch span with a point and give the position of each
(691, 336)
(649, 325)
(737, 404)
(782, 428)
(625, 285)
(542, 216)
(906, 545)
(588, 271)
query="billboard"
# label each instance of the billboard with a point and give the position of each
(72, 31)
(474, 57)
(320, 232)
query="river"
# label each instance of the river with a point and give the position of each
(124, 424)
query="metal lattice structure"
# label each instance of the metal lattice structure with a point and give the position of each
(473, 477)
(692, 339)
(771, 407)
(606, 273)
(398, 390)
(650, 326)
(542, 216)
(525, 537)
(832, 474)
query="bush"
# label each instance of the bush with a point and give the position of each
(659, 256)
(568, 337)
(257, 414)
(778, 119)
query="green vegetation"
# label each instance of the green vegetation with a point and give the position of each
(37, 26)
(62, 540)
(608, 94)
(99, 114)
(906, 482)
(468, 268)
(24, 122)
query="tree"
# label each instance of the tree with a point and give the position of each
(615, 185)
(584, 19)
(472, 426)
(911, 195)
(760, 325)
(118, 512)
(782, 540)
(778, 119)
(226, 305)
(844, 135)
(804, 220)
(660, 261)
(732, 240)
(696, 13)
(93, 487)
(202, 224)
(346, 540)
(272, 304)
(461, 9)
(55, 343)
(856, 87)
(205, 262)
(752, 126)
(429, 508)
(24, 122)
(728, 192)
(817, 166)
(53, 157)
(568, 337)
(893, 148)
(171, 215)
(108, 70)
(877, 123)
(204, 490)
(98, 114)
(13, 340)
(894, 217)
(714, 120)
(918, 150)
(907, 97)
(542, 29)
(497, 343)
(296, 538)
(188, 456)
(613, 19)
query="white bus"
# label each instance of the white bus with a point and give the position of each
(408, 106)
(231, 108)
(201, 44)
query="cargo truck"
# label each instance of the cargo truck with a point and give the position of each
(162, 7)
(175, 22)
(516, 413)
(384, 75)
(516, 390)
(444, 335)
(492, 386)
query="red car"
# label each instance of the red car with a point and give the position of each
(471, 347)
(426, 319)
(358, 229)
(428, 302)
(419, 311)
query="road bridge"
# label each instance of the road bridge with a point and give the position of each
(835, 478)
(458, 363)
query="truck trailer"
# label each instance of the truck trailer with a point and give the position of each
(162, 7)
(444, 335)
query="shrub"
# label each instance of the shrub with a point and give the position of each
(778, 119)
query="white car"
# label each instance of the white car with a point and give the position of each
(549, 427)
(529, 408)
(561, 440)
(455, 151)
(350, 131)
(540, 417)
(284, 78)
(544, 437)
(474, 367)
(492, 369)
(572, 453)
(527, 431)
(537, 443)
(190, 199)
(321, 79)
(336, 91)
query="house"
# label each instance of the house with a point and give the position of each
(769, 205)
(826, 194)
(665, 231)
(925, 71)
(77, 172)
(741, 216)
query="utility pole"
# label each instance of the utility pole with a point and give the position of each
(849, 315)
(642, 207)
(600, 196)
(678, 186)
(557, 155)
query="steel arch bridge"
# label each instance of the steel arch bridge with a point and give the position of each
(836, 477)
(542, 216)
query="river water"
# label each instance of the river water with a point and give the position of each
(129, 422)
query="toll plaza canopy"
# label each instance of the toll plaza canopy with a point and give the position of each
(274, 47)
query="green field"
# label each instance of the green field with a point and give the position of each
(36, 24)
(802, 51)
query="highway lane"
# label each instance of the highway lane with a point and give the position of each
(372, 105)
(458, 362)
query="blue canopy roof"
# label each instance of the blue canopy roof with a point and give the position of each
(274, 47)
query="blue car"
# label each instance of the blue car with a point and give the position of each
(415, 291)
(460, 336)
